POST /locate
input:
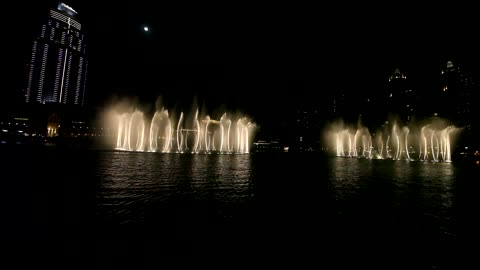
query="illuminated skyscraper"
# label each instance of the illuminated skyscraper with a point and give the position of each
(456, 98)
(401, 101)
(58, 67)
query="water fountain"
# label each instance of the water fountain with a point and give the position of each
(427, 142)
(169, 134)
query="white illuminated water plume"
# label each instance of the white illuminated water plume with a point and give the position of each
(428, 142)
(168, 134)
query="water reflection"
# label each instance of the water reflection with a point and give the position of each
(289, 203)
(132, 182)
(403, 202)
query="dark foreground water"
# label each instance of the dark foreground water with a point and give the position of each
(303, 210)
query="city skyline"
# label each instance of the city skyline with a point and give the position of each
(271, 54)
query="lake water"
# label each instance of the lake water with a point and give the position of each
(270, 208)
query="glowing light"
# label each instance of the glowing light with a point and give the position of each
(358, 142)
(65, 7)
(169, 134)
(146, 29)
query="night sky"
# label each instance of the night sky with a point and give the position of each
(258, 58)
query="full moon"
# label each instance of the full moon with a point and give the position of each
(146, 29)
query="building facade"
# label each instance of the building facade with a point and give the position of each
(400, 102)
(456, 95)
(58, 66)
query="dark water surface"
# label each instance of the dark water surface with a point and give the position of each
(270, 209)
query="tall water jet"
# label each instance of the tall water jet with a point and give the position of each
(197, 128)
(131, 131)
(179, 134)
(434, 142)
(165, 134)
(160, 132)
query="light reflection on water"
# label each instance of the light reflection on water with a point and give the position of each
(130, 178)
(284, 202)
(140, 180)
(414, 191)
(360, 195)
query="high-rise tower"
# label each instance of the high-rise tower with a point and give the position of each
(401, 100)
(58, 67)
(456, 96)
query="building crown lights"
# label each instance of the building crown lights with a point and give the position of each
(68, 9)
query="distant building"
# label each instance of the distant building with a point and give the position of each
(400, 101)
(58, 66)
(271, 146)
(336, 106)
(456, 95)
(38, 123)
(306, 130)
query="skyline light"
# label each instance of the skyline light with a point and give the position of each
(57, 70)
(254, 66)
